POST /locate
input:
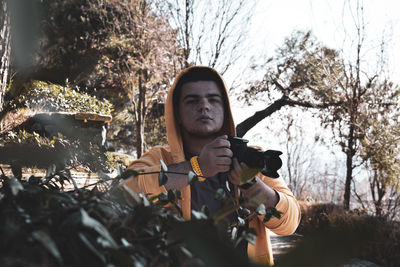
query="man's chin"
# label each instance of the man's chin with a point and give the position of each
(204, 134)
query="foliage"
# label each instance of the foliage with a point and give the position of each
(333, 233)
(42, 96)
(121, 50)
(45, 226)
(381, 149)
(96, 42)
(155, 132)
(121, 132)
(305, 73)
(22, 148)
(61, 150)
(303, 70)
(23, 137)
(104, 46)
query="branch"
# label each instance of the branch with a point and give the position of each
(243, 127)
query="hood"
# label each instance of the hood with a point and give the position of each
(173, 128)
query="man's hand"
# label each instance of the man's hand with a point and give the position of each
(234, 173)
(259, 193)
(216, 157)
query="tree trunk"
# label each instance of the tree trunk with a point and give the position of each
(5, 49)
(349, 167)
(140, 118)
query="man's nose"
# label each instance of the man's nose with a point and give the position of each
(204, 104)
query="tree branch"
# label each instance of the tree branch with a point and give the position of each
(243, 127)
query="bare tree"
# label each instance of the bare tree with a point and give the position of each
(381, 148)
(5, 49)
(302, 74)
(298, 168)
(156, 57)
(307, 74)
(307, 175)
(211, 33)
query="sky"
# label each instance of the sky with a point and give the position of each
(333, 23)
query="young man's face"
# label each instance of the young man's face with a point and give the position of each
(201, 108)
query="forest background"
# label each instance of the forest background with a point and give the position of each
(332, 109)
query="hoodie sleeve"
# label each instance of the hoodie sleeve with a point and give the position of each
(287, 205)
(149, 162)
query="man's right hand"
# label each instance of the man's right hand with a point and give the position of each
(216, 157)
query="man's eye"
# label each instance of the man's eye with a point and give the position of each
(215, 100)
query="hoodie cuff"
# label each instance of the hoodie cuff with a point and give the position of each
(282, 206)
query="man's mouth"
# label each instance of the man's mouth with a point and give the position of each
(204, 118)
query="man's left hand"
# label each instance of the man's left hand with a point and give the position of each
(270, 196)
(234, 173)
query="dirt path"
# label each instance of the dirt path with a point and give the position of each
(282, 244)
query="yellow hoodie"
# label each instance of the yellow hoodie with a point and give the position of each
(261, 252)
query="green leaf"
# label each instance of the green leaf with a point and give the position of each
(131, 196)
(276, 213)
(241, 222)
(267, 217)
(163, 166)
(199, 215)
(48, 243)
(171, 196)
(91, 247)
(223, 212)
(146, 202)
(186, 252)
(129, 173)
(220, 194)
(162, 178)
(260, 210)
(125, 243)
(120, 170)
(192, 177)
(104, 176)
(243, 212)
(15, 186)
(16, 170)
(248, 174)
(251, 238)
(271, 212)
(98, 227)
(204, 209)
(162, 197)
(178, 194)
(51, 170)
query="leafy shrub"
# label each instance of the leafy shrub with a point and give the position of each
(39, 95)
(45, 226)
(334, 235)
(23, 137)
(21, 148)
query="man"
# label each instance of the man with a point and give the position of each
(199, 121)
